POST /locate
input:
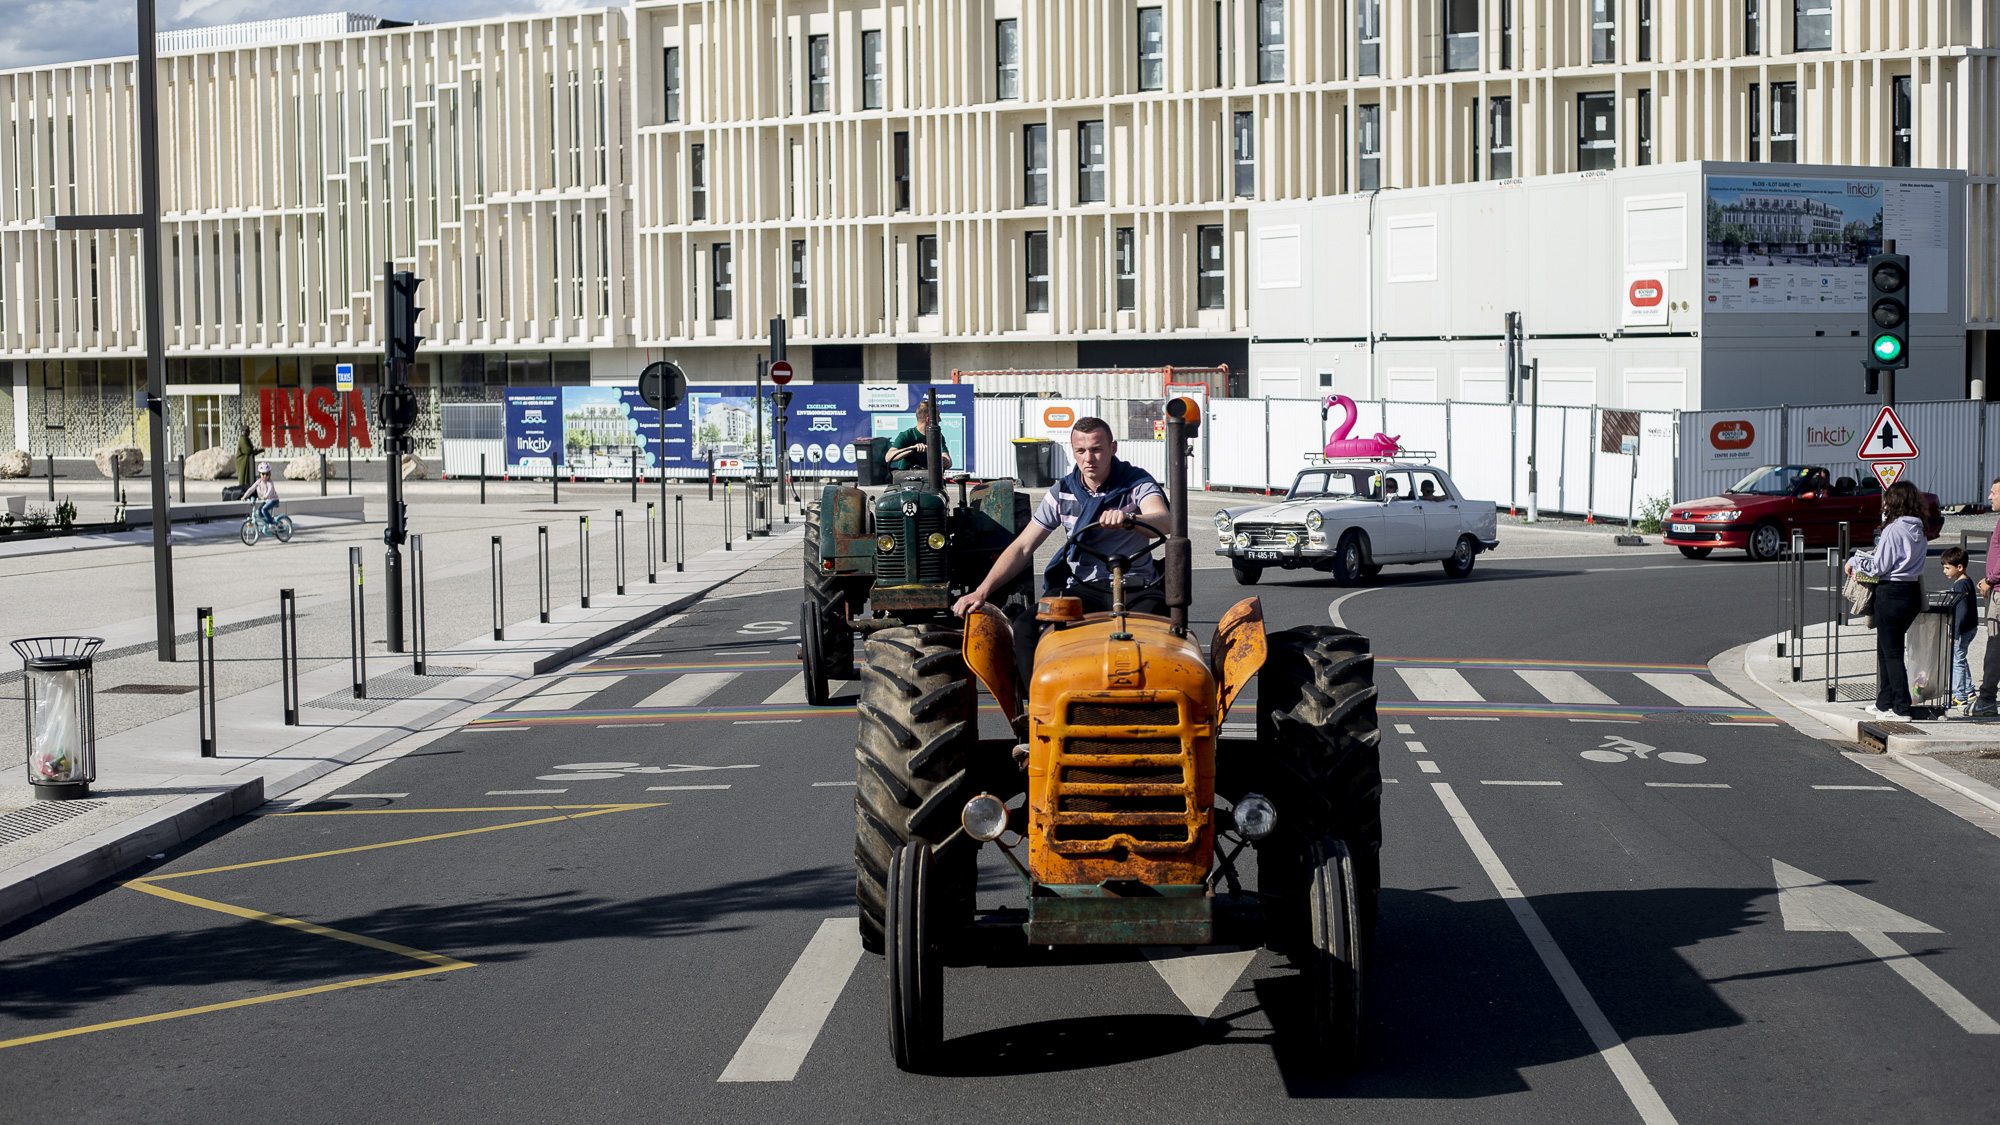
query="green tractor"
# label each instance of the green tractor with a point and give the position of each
(899, 558)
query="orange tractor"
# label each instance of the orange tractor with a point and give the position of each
(1113, 777)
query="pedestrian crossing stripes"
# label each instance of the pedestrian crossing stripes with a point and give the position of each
(685, 689)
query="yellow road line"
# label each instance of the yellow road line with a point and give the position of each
(438, 959)
(226, 1005)
(393, 843)
(487, 808)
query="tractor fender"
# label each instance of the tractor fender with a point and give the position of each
(989, 654)
(1236, 652)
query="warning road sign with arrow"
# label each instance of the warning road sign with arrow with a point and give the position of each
(1887, 439)
(1888, 472)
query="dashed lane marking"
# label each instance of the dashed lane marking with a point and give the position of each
(689, 690)
(1563, 687)
(1405, 728)
(1427, 766)
(833, 784)
(777, 1045)
(1738, 712)
(1520, 783)
(1416, 748)
(1610, 1046)
(1439, 685)
(1686, 785)
(680, 788)
(364, 796)
(1869, 788)
(520, 792)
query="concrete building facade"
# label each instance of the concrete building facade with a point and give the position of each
(917, 186)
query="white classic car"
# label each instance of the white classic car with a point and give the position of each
(1355, 517)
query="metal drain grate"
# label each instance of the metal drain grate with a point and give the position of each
(387, 688)
(1856, 689)
(23, 823)
(150, 689)
(1693, 718)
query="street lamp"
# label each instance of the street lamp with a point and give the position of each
(62, 720)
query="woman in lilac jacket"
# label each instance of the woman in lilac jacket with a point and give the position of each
(1897, 563)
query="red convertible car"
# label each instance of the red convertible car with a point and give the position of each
(1759, 513)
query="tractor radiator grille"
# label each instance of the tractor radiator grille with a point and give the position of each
(1132, 787)
(1124, 715)
(893, 567)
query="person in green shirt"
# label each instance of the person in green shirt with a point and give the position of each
(908, 451)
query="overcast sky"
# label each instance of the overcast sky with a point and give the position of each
(34, 32)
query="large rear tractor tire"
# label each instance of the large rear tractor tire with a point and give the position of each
(916, 960)
(826, 644)
(914, 769)
(1321, 766)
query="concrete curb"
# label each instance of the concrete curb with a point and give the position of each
(1937, 771)
(1760, 666)
(48, 879)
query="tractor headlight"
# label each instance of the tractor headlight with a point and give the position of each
(984, 818)
(1242, 539)
(1255, 816)
(886, 542)
(1314, 520)
(936, 540)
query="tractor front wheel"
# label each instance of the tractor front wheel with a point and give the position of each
(1335, 970)
(916, 962)
(812, 645)
(914, 769)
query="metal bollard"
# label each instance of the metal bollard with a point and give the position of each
(727, 534)
(1798, 574)
(583, 558)
(652, 563)
(482, 478)
(499, 591)
(618, 548)
(1784, 587)
(555, 487)
(1834, 612)
(357, 626)
(322, 475)
(711, 474)
(635, 474)
(182, 475)
(288, 654)
(204, 679)
(417, 604)
(52, 476)
(680, 535)
(542, 571)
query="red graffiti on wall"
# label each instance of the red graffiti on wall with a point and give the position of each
(294, 417)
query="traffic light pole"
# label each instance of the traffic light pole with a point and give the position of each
(392, 555)
(156, 333)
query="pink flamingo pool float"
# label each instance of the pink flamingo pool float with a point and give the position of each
(1340, 445)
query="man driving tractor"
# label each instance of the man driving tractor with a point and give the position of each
(1104, 498)
(910, 450)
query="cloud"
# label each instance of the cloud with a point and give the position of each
(40, 32)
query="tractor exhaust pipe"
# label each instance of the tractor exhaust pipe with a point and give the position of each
(934, 445)
(1183, 423)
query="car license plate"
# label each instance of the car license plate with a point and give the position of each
(1263, 555)
(1683, 529)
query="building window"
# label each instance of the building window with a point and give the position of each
(871, 70)
(1035, 166)
(1461, 34)
(1128, 270)
(927, 275)
(1603, 31)
(902, 148)
(1368, 25)
(1500, 139)
(1812, 29)
(1645, 30)
(1756, 130)
(698, 182)
(672, 70)
(1596, 131)
(1208, 267)
(1899, 121)
(1753, 27)
(722, 282)
(1090, 162)
(1152, 54)
(1243, 130)
(1270, 40)
(1007, 59)
(1644, 107)
(1038, 271)
(1368, 131)
(1784, 122)
(1506, 34)
(799, 290)
(819, 74)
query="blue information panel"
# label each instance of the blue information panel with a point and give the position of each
(593, 431)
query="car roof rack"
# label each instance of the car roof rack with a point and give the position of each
(1322, 460)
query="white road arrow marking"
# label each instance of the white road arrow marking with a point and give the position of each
(1202, 979)
(1810, 903)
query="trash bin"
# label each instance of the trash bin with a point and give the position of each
(1035, 462)
(60, 683)
(871, 461)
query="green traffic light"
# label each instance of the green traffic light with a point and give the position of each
(1888, 348)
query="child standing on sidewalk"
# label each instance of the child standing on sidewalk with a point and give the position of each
(1964, 624)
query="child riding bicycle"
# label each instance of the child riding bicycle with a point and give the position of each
(263, 493)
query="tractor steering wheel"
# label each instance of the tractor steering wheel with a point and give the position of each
(1119, 562)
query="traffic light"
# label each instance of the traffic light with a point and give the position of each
(1886, 326)
(400, 340)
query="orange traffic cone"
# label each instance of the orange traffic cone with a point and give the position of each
(1589, 516)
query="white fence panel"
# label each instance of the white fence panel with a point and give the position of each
(461, 457)
(1948, 439)
(1419, 425)
(1481, 450)
(1616, 492)
(1151, 456)
(1296, 436)
(1237, 446)
(1956, 439)
(1706, 472)
(996, 423)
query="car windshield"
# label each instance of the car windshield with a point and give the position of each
(1337, 484)
(1772, 480)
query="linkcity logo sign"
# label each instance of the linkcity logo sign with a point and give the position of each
(1736, 434)
(1863, 190)
(535, 444)
(1830, 437)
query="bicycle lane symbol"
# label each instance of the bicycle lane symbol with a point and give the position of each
(1618, 748)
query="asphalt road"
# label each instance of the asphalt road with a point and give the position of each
(598, 903)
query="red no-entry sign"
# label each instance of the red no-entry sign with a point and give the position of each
(781, 372)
